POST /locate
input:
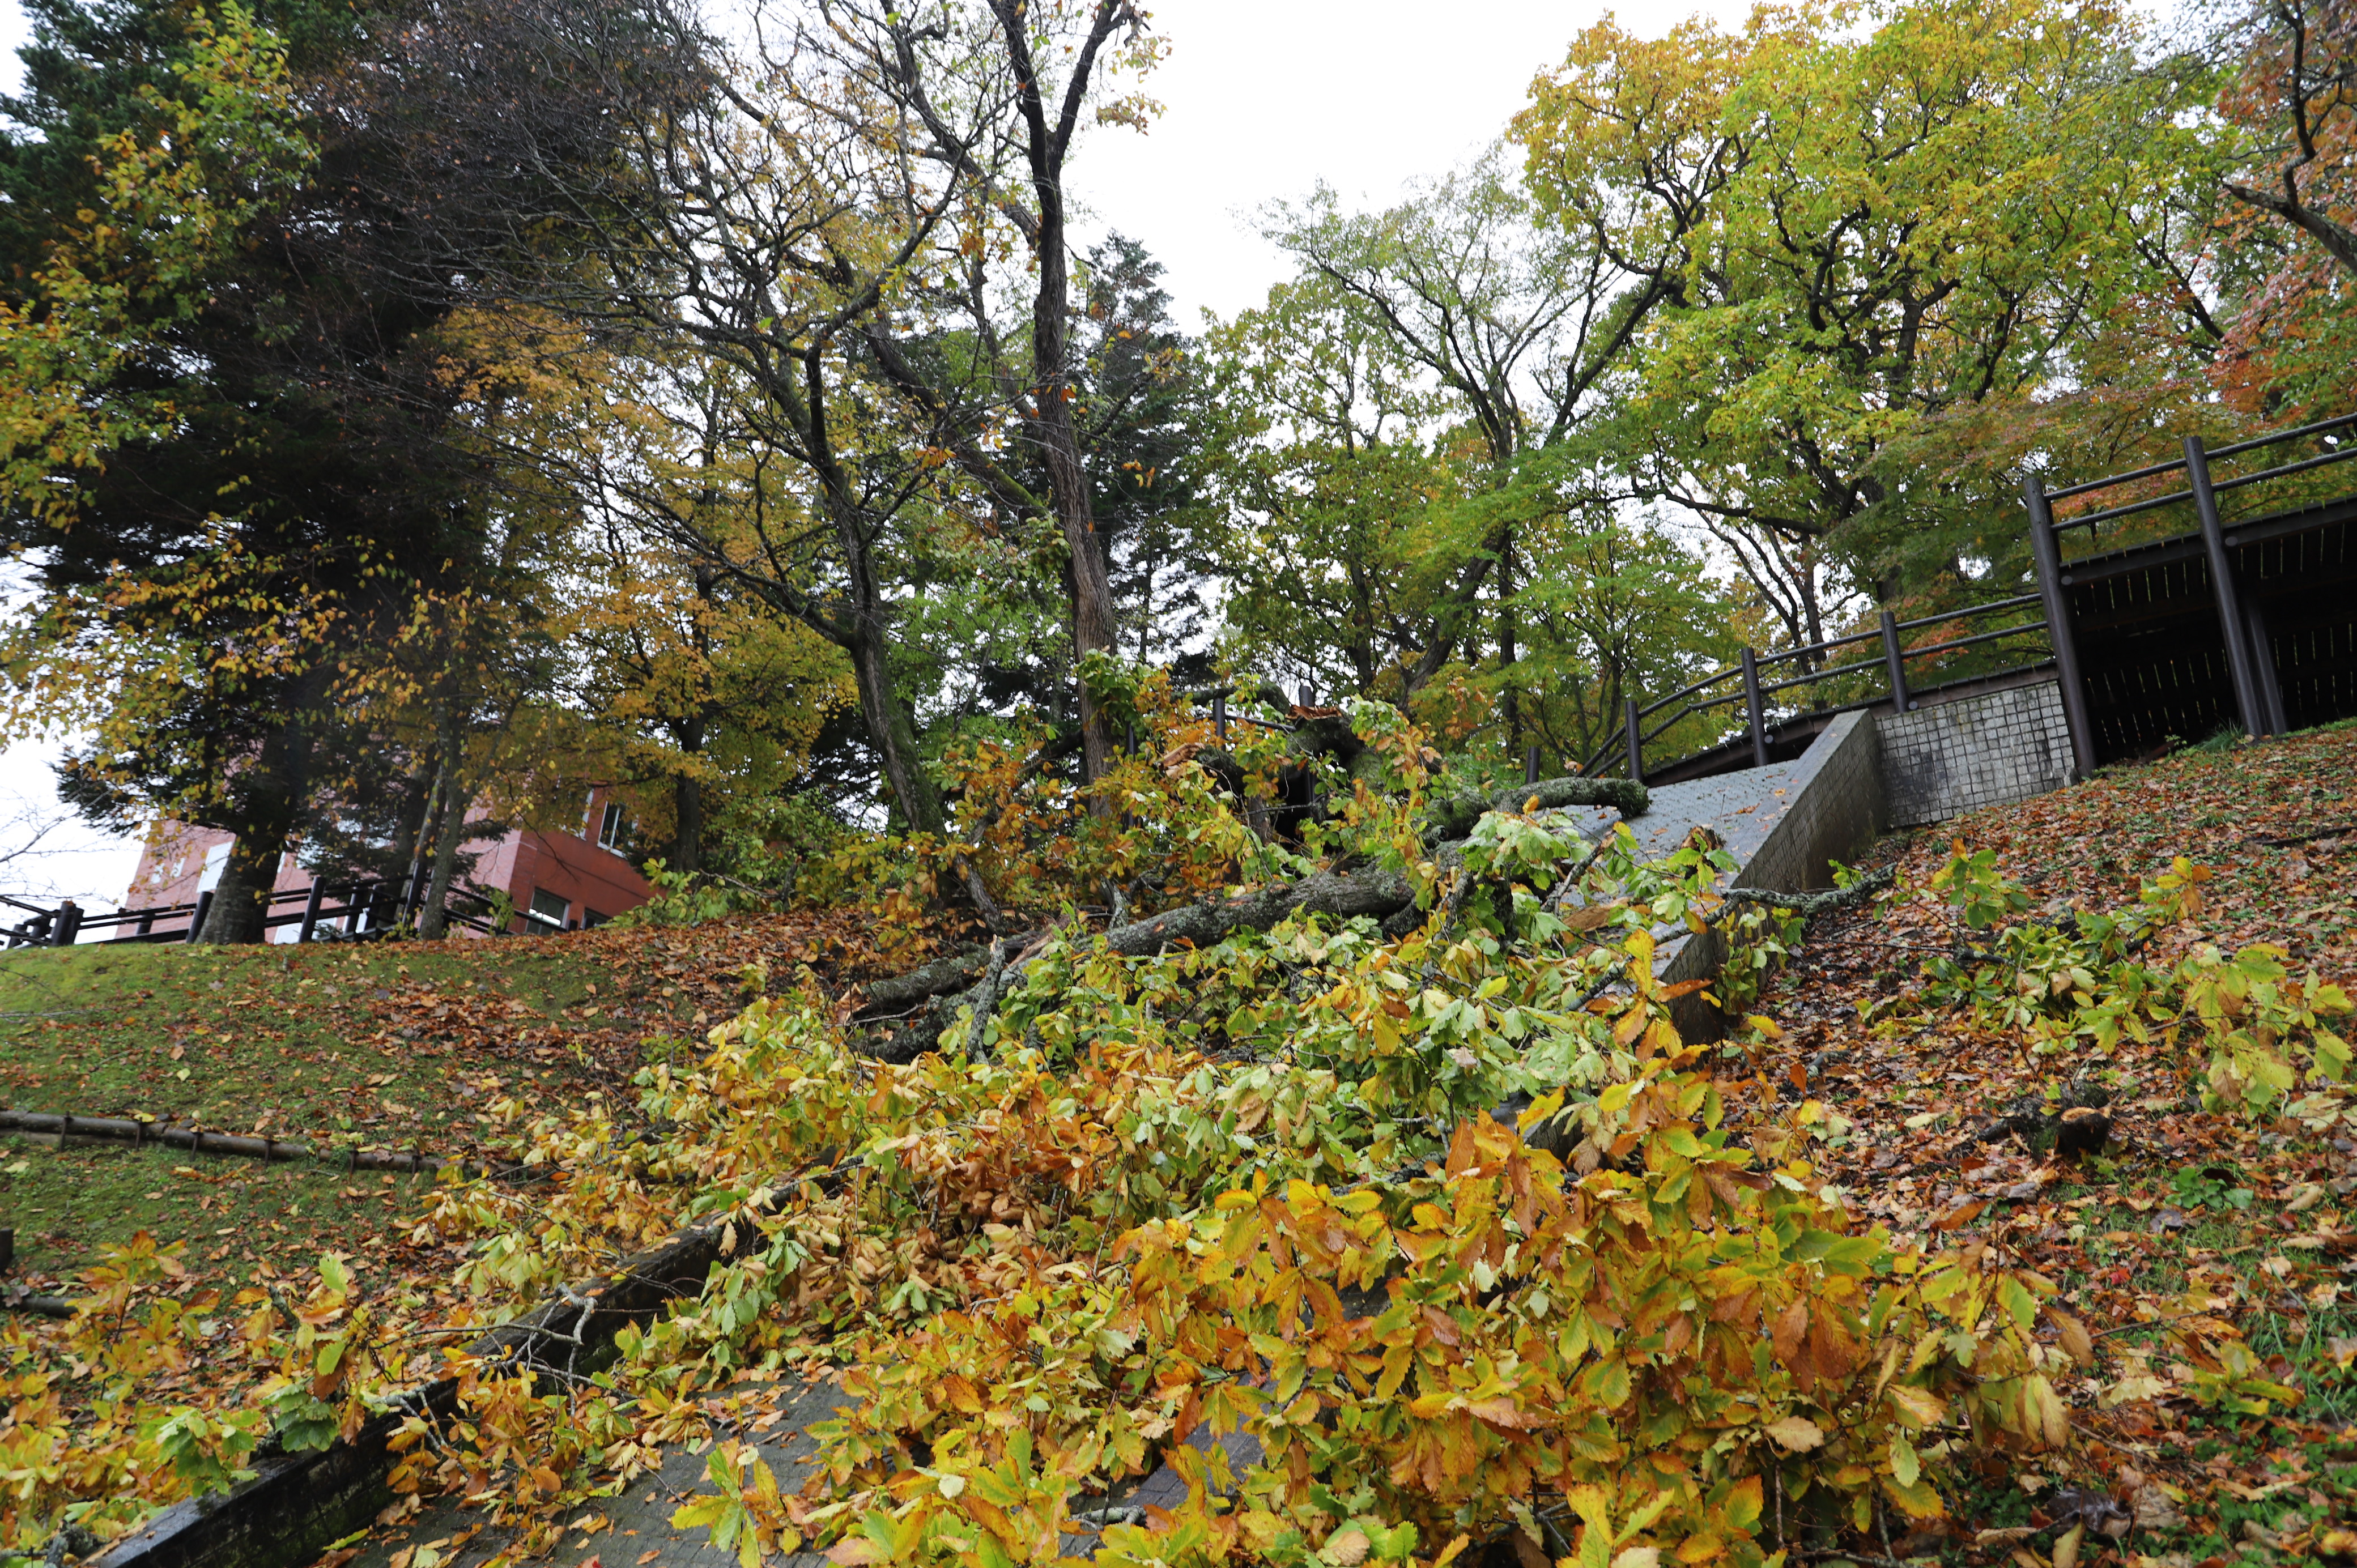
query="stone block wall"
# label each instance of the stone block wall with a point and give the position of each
(1939, 762)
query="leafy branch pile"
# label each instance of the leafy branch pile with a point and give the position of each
(1257, 1184)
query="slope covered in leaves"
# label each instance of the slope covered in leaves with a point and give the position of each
(2208, 1247)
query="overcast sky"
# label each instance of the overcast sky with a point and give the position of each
(1261, 99)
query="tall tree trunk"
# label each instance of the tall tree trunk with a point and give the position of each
(242, 897)
(271, 797)
(435, 922)
(686, 856)
(1507, 657)
(1095, 624)
(421, 845)
(687, 837)
(895, 734)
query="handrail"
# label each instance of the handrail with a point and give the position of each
(1991, 608)
(2236, 449)
(2239, 480)
(1956, 643)
(2089, 520)
(1686, 713)
(1814, 648)
(1714, 679)
(358, 897)
(2067, 491)
(1615, 750)
(2256, 442)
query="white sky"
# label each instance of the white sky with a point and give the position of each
(1261, 99)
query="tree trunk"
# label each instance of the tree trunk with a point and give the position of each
(687, 836)
(1507, 656)
(1095, 624)
(436, 922)
(270, 795)
(242, 897)
(895, 734)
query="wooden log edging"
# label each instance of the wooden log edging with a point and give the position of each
(297, 1505)
(197, 1140)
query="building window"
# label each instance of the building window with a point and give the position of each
(591, 920)
(609, 830)
(547, 911)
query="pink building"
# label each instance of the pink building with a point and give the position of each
(558, 881)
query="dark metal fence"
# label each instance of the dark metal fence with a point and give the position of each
(2248, 619)
(362, 909)
(1769, 711)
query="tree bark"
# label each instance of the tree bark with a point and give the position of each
(1454, 818)
(272, 798)
(1095, 626)
(1371, 892)
(687, 835)
(435, 923)
(894, 732)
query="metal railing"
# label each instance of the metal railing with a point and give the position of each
(360, 909)
(1881, 677)
(2258, 701)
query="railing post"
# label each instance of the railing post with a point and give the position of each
(2059, 630)
(1531, 764)
(2263, 662)
(1895, 658)
(146, 921)
(69, 926)
(197, 920)
(2236, 636)
(1752, 709)
(1220, 715)
(1636, 733)
(310, 912)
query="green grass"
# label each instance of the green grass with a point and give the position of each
(67, 1204)
(389, 1046)
(309, 1035)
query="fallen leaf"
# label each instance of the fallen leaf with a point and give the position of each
(2155, 1510)
(1347, 1548)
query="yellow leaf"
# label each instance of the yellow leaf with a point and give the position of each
(1347, 1548)
(1917, 1407)
(2077, 1343)
(1796, 1433)
(2043, 1413)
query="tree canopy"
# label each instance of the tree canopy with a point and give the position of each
(733, 413)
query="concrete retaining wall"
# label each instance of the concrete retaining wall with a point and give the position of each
(1991, 750)
(1831, 808)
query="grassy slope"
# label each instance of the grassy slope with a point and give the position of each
(2189, 1214)
(382, 1046)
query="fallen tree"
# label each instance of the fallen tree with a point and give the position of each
(1372, 893)
(1454, 817)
